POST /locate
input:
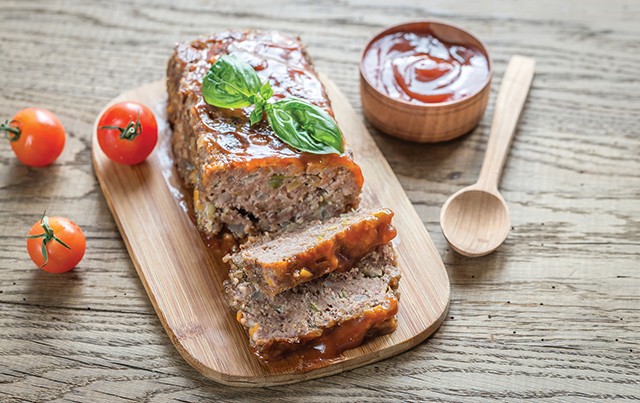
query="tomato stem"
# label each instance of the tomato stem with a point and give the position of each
(47, 236)
(13, 132)
(130, 131)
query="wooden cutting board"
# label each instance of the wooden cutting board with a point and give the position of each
(184, 278)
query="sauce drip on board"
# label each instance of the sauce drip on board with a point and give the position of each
(422, 69)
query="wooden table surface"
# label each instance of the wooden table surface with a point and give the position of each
(554, 314)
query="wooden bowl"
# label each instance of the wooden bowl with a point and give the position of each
(426, 123)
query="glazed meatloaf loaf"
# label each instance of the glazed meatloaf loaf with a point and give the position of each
(277, 263)
(325, 316)
(243, 177)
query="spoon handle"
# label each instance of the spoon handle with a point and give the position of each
(513, 92)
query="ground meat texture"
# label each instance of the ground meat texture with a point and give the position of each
(244, 178)
(297, 255)
(361, 300)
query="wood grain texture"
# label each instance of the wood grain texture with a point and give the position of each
(183, 275)
(566, 280)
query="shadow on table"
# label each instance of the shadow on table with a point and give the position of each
(442, 163)
(54, 289)
(467, 271)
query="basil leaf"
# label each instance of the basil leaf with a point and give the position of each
(260, 102)
(256, 114)
(305, 127)
(266, 91)
(230, 83)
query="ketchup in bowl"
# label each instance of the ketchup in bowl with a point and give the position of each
(420, 68)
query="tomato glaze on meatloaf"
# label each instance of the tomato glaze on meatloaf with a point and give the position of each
(324, 316)
(299, 254)
(243, 177)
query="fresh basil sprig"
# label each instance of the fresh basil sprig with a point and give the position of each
(233, 83)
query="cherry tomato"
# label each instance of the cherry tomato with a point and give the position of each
(127, 132)
(37, 136)
(56, 244)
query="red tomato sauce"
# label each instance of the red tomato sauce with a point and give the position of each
(420, 68)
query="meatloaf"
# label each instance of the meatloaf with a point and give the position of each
(325, 316)
(243, 177)
(277, 263)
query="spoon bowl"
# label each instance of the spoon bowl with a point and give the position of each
(475, 221)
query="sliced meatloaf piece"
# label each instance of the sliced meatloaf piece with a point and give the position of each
(243, 177)
(277, 263)
(327, 315)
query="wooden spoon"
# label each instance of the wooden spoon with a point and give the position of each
(475, 219)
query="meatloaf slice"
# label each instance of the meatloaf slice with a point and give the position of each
(329, 314)
(243, 177)
(312, 250)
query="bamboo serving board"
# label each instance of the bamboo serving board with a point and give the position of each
(183, 277)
